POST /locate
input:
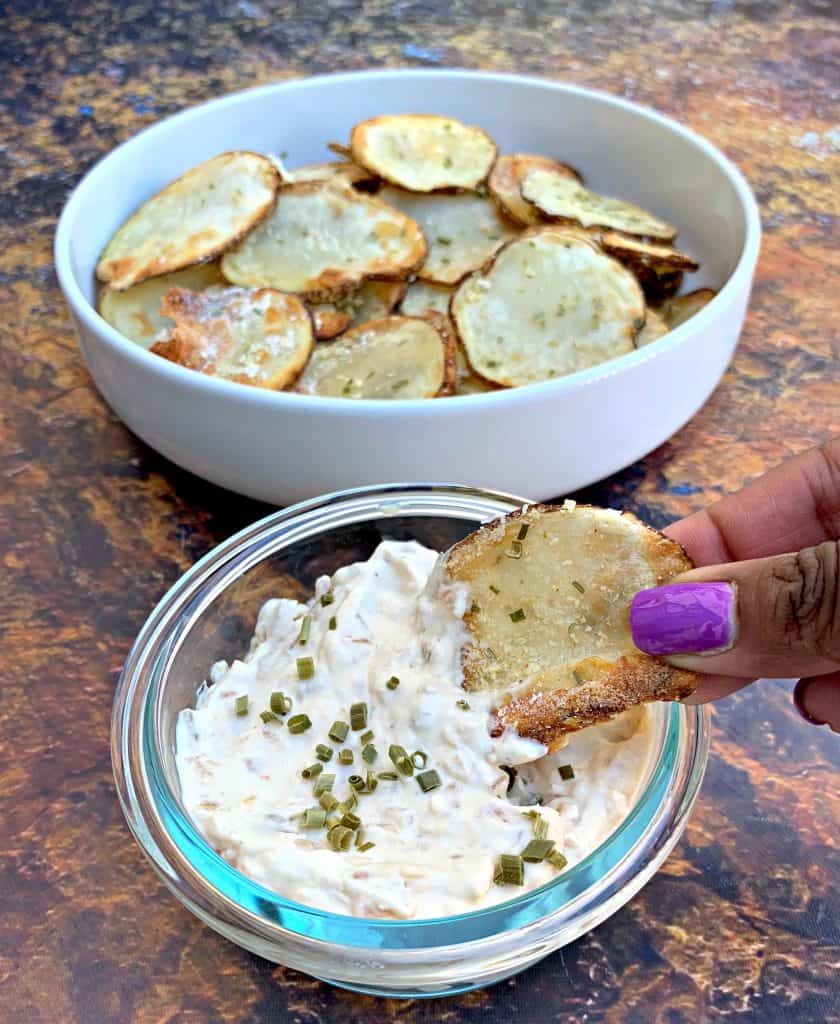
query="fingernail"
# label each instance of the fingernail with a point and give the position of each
(684, 618)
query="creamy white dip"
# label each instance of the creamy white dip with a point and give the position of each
(435, 853)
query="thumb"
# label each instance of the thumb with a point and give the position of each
(776, 617)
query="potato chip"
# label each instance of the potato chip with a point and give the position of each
(423, 152)
(633, 251)
(343, 170)
(193, 219)
(563, 199)
(328, 323)
(392, 358)
(422, 296)
(322, 240)
(463, 230)
(372, 301)
(505, 184)
(548, 621)
(681, 308)
(550, 304)
(446, 329)
(256, 336)
(654, 329)
(136, 313)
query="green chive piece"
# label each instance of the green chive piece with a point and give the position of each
(332, 821)
(512, 868)
(323, 784)
(269, 716)
(358, 716)
(312, 770)
(338, 731)
(305, 626)
(299, 723)
(360, 837)
(327, 598)
(388, 776)
(401, 759)
(352, 821)
(579, 587)
(566, 772)
(464, 705)
(366, 846)
(557, 860)
(498, 877)
(523, 531)
(328, 801)
(366, 737)
(340, 837)
(495, 589)
(369, 753)
(371, 781)
(474, 608)
(240, 705)
(279, 703)
(393, 683)
(515, 550)
(323, 752)
(578, 677)
(357, 782)
(540, 827)
(518, 615)
(305, 668)
(350, 804)
(419, 758)
(428, 780)
(537, 850)
(314, 817)
(345, 756)
(333, 623)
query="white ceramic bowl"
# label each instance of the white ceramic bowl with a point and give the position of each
(541, 440)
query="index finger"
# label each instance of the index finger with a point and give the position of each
(794, 506)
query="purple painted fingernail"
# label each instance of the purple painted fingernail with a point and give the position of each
(684, 618)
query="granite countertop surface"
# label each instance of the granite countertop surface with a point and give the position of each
(743, 921)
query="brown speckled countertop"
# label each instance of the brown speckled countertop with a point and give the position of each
(743, 921)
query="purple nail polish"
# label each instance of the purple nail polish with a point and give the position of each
(684, 618)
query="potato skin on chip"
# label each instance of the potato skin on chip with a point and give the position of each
(682, 307)
(446, 329)
(657, 255)
(322, 240)
(395, 357)
(329, 323)
(423, 152)
(256, 336)
(551, 303)
(505, 184)
(192, 220)
(548, 621)
(135, 312)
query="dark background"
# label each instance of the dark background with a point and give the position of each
(742, 922)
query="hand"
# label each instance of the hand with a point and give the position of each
(766, 601)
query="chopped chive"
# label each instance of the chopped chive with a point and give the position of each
(358, 716)
(269, 716)
(305, 626)
(388, 776)
(537, 850)
(369, 753)
(345, 756)
(491, 654)
(464, 705)
(350, 804)
(351, 820)
(512, 869)
(340, 837)
(332, 821)
(333, 623)
(518, 615)
(327, 598)
(566, 772)
(357, 782)
(393, 683)
(540, 827)
(474, 608)
(401, 759)
(328, 801)
(314, 817)
(579, 587)
(323, 752)
(305, 668)
(515, 550)
(312, 770)
(360, 837)
(495, 589)
(338, 731)
(399, 385)
(557, 860)
(371, 781)
(348, 387)
(578, 677)
(279, 703)
(443, 240)
(428, 780)
(366, 846)
(419, 758)
(366, 737)
(323, 784)
(240, 705)
(523, 531)
(299, 723)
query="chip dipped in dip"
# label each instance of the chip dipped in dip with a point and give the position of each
(341, 764)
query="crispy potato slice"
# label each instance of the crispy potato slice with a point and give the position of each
(322, 240)
(340, 150)
(463, 230)
(681, 308)
(342, 170)
(256, 336)
(548, 622)
(372, 301)
(391, 358)
(329, 323)
(423, 152)
(550, 304)
(422, 296)
(193, 219)
(662, 258)
(654, 329)
(136, 311)
(505, 184)
(563, 199)
(468, 382)
(446, 329)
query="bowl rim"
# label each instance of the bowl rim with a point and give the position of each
(213, 387)
(137, 774)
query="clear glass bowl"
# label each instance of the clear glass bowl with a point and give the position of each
(210, 614)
